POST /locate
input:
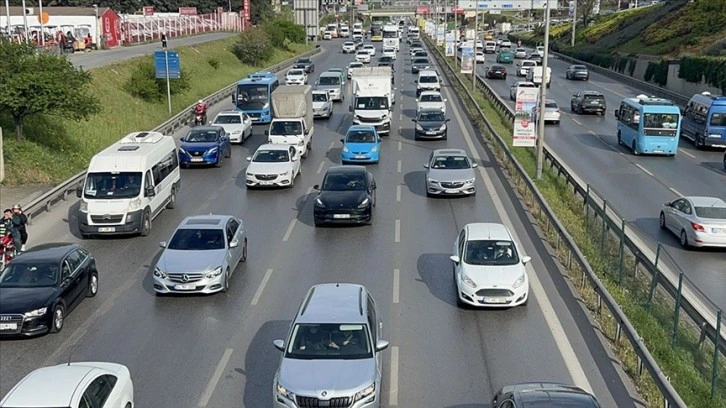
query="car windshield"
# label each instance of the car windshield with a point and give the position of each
(521, 50)
(360, 136)
(349, 43)
(526, 85)
(29, 275)
(320, 97)
(718, 119)
(228, 119)
(450, 162)
(201, 136)
(385, 59)
(434, 116)
(295, 72)
(428, 80)
(329, 80)
(345, 182)
(420, 61)
(431, 98)
(285, 128)
(371, 102)
(112, 185)
(716, 213)
(497, 68)
(487, 252)
(252, 96)
(271, 156)
(329, 342)
(528, 63)
(356, 65)
(579, 68)
(192, 239)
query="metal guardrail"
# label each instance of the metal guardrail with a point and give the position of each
(45, 202)
(554, 226)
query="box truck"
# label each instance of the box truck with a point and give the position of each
(373, 97)
(292, 123)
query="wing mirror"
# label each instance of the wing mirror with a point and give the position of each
(181, 139)
(617, 114)
(445, 100)
(474, 165)
(342, 140)
(414, 120)
(316, 187)
(162, 244)
(526, 259)
(249, 158)
(279, 344)
(425, 166)
(149, 192)
(79, 192)
(350, 108)
(381, 345)
(267, 133)
(455, 259)
(234, 243)
(448, 119)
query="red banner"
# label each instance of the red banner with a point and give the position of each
(422, 10)
(220, 10)
(458, 11)
(188, 11)
(246, 4)
(148, 10)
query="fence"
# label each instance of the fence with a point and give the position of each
(60, 193)
(149, 28)
(628, 259)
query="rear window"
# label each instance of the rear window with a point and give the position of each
(718, 213)
(594, 97)
(551, 105)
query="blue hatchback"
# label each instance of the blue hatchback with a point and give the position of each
(361, 145)
(204, 145)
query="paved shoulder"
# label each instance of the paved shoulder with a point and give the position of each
(97, 59)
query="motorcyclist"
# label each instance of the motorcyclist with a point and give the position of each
(11, 226)
(201, 109)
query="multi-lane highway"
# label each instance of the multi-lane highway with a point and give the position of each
(636, 186)
(217, 351)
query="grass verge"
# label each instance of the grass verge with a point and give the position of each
(56, 149)
(689, 364)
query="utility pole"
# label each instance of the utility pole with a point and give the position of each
(543, 94)
(476, 38)
(25, 22)
(574, 22)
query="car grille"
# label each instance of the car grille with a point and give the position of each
(494, 293)
(312, 402)
(190, 277)
(107, 219)
(265, 177)
(196, 154)
(9, 319)
(452, 184)
(255, 115)
(369, 120)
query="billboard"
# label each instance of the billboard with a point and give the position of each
(307, 14)
(420, 10)
(467, 60)
(148, 10)
(188, 11)
(450, 44)
(525, 131)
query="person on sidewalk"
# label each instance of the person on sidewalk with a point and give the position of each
(12, 223)
(163, 40)
(17, 210)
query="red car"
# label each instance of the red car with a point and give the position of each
(496, 72)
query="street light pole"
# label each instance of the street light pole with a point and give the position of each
(543, 94)
(25, 22)
(574, 22)
(476, 38)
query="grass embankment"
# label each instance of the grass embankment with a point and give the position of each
(56, 149)
(688, 365)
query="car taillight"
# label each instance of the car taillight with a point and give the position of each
(558, 111)
(697, 227)
(504, 71)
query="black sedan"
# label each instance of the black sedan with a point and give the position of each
(431, 124)
(577, 72)
(348, 195)
(42, 285)
(305, 63)
(420, 64)
(496, 72)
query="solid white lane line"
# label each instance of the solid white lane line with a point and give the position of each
(553, 322)
(289, 229)
(400, 145)
(400, 117)
(320, 168)
(393, 395)
(675, 191)
(646, 171)
(204, 400)
(687, 153)
(261, 288)
(398, 166)
(576, 121)
(398, 193)
(397, 232)
(396, 285)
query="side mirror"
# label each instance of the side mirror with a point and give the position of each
(279, 344)
(414, 120)
(526, 259)
(162, 244)
(575, 95)
(668, 204)
(149, 192)
(233, 243)
(181, 139)
(415, 80)
(448, 119)
(381, 345)
(474, 165)
(224, 138)
(425, 166)
(445, 100)
(455, 259)
(249, 159)
(233, 98)
(417, 100)
(617, 114)
(316, 187)
(267, 133)
(79, 192)
(342, 140)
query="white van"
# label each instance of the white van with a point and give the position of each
(128, 184)
(427, 80)
(534, 74)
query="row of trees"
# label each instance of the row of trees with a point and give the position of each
(257, 45)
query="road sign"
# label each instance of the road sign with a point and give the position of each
(167, 60)
(188, 11)
(148, 10)
(43, 18)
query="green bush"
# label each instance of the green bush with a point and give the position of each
(707, 69)
(657, 72)
(213, 62)
(254, 47)
(282, 32)
(144, 85)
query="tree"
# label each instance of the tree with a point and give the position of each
(261, 11)
(585, 9)
(254, 47)
(34, 82)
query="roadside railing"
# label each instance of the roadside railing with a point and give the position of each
(45, 202)
(564, 245)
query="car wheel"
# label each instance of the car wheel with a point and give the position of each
(580, 110)
(220, 161)
(661, 220)
(620, 139)
(93, 285)
(225, 284)
(292, 181)
(229, 152)
(243, 258)
(172, 200)
(85, 236)
(145, 224)
(634, 147)
(57, 319)
(698, 141)
(684, 239)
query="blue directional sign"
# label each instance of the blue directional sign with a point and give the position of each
(167, 60)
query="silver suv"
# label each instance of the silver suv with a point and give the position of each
(332, 357)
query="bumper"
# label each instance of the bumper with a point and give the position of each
(381, 127)
(360, 158)
(435, 188)
(130, 224)
(205, 159)
(19, 326)
(593, 109)
(714, 141)
(260, 118)
(279, 181)
(295, 82)
(236, 137)
(435, 134)
(322, 113)
(349, 50)
(206, 286)
(497, 76)
(370, 402)
(419, 90)
(347, 216)
(580, 76)
(468, 296)
(701, 239)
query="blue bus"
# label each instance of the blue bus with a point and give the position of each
(252, 95)
(704, 120)
(649, 125)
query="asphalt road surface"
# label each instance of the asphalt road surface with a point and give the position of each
(95, 59)
(636, 186)
(217, 351)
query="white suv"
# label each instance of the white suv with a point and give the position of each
(427, 81)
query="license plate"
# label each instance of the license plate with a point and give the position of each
(265, 183)
(360, 156)
(657, 151)
(431, 133)
(8, 326)
(185, 287)
(718, 230)
(106, 229)
(339, 216)
(451, 191)
(495, 300)
(197, 159)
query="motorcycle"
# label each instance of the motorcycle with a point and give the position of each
(200, 119)
(7, 251)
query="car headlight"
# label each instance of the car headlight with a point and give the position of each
(468, 281)
(385, 116)
(366, 392)
(419, 128)
(159, 273)
(374, 149)
(282, 391)
(250, 175)
(519, 282)
(216, 272)
(301, 142)
(36, 312)
(84, 206)
(285, 173)
(319, 202)
(182, 151)
(212, 150)
(470, 181)
(237, 132)
(432, 181)
(135, 204)
(364, 203)
(443, 127)
(345, 149)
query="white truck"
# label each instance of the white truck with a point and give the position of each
(292, 123)
(373, 97)
(534, 74)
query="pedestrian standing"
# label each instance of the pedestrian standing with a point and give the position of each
(18, 211)
(163, 40)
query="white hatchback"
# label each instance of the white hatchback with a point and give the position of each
(273, 165)
(296, 76)
(389, 52)
(74, 385)
(349, 47)
(363, 56)
(238, 125)
(371, 49)
(431, 100)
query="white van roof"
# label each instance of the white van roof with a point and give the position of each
(137, 152)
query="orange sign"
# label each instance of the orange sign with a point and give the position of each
(43, 18)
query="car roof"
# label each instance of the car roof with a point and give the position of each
(431, 93)
(320, 91)
(487, 231)
(230, 112)
(201, 221)
(361, 127)
(333, 303)
(700, 201)
(525, 83)
(275, 146)
(345, 169)
(47, 252)
(206, 128)
(449, 152)
(428, 72)
(431, 110)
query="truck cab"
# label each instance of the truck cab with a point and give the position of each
(292, 124)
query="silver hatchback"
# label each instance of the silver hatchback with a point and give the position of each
(450, 172)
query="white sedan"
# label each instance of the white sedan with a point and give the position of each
(431, 100)
(363, 56)
(349, 47)
(697, 221)
(371, 49)
(552, 112)
(520, 53)
(238, 125)
(296, 76)
(480, 58)
(389, 52)
(273, 165)
(489, 269)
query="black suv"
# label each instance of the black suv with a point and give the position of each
(588, 101)
(306, 64)
(347, 195)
